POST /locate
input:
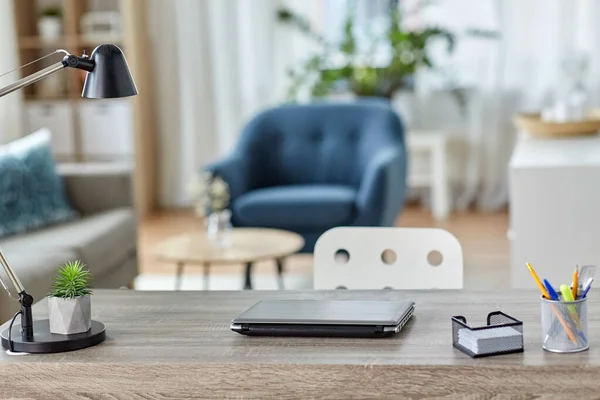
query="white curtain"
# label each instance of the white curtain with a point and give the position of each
(512, 74)
(10, 105)
(216, 63)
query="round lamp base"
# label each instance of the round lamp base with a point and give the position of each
(45, 342)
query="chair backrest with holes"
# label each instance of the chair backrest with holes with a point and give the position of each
(379, 257)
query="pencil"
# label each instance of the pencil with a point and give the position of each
(539, 283)
(575, 283)
(546, 295)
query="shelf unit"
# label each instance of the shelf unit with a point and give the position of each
(56, 102)
(141, 125)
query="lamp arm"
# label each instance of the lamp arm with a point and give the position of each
(70, 61)
(33, 78)
(14, 279)
(25, 299)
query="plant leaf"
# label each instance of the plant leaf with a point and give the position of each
(71, 280)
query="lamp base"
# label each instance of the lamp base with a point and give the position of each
(45, 342)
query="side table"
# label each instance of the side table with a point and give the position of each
(248, 245)
(432, 144)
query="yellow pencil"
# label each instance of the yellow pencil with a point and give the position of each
(575, 283)
(539, 283)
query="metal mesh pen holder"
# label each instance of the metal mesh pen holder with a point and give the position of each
(564, 326)
(502, 335)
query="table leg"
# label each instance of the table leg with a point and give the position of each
(206, 267)
(248, 278)
(279, 262)
(440, 191)
(178, 275)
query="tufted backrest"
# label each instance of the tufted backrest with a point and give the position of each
(329, 143)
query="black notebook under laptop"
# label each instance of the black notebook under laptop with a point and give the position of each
(324, 318)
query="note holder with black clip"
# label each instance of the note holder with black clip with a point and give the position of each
(502, 335)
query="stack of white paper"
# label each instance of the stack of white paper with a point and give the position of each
(490, 340)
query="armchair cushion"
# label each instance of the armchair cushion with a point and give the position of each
(297, 207)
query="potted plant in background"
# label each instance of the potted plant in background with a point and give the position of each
(357, 67)
(69, 302)
(211, 195)
(50, 23)
(347, 66)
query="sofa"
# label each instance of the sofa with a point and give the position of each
(104, 236)
(308, 168)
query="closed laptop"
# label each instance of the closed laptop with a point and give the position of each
(343, 318)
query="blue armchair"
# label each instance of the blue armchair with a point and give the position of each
(309, 168)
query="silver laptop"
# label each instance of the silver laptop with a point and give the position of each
(324, 318)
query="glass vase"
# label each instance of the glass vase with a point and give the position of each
(218, 228)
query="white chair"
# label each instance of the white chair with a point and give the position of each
(396, 258)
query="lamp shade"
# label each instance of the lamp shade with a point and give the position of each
(110, 77)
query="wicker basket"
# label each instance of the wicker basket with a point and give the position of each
(533, 124)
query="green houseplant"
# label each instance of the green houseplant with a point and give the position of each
(69, 302)
(54, 11)
(344, 64)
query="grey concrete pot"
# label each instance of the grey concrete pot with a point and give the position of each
(70, 316)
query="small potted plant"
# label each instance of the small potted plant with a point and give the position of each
(69, 303)
(50, 23)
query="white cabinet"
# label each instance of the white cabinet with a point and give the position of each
(554, 207)
(84, 130)
(106, 129)
(57, 116)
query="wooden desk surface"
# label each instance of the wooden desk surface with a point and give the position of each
(179, 343)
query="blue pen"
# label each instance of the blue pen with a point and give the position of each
(553, 296)
(551, 291)
(587, 287)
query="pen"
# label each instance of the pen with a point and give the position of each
(547, 296)
(585, 273)
(551, 291)
(553, 296)
(575, 283)
(587, 287)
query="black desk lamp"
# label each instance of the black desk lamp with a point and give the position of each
(108, 77)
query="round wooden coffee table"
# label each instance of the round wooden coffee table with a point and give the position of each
(248, 245)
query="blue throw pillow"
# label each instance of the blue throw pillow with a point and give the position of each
(32, 194)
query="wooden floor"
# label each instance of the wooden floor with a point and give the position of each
(482, 235)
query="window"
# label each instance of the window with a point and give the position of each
(371, 20)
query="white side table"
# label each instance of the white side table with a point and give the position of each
(431, 144)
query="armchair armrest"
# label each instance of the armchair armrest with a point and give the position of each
(381, 192)
(236, 171)
(92, 188)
